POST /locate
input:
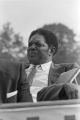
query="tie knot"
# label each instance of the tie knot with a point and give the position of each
(36, 67)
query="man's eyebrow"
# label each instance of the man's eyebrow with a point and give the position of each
(34, 42)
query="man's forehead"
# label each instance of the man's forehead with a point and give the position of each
(37, 38)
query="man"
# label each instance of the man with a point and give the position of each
(42, 46)
(14, 86)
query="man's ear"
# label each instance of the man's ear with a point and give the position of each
(52, 50)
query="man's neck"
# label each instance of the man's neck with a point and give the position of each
(42, 62)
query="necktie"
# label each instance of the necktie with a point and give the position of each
(31, 75)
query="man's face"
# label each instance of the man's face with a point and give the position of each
(38, 50)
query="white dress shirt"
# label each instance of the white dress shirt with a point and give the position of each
(40, 79)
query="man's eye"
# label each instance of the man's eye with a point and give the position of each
(36, 44)
(39, 45)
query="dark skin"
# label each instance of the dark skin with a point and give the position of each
(38, 50)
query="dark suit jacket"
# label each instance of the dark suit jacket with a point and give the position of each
(57, 69)
(12, 79)
(55, 92)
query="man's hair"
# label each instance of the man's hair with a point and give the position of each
(50, 37)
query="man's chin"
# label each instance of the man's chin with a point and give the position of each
(33, 61)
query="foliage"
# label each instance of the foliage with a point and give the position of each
(67, 44)
(11, 44)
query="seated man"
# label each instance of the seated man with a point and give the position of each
(41, 71)
(14, 86)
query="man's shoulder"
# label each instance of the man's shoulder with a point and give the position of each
(9, 64)
(65, 66)
(56, 66)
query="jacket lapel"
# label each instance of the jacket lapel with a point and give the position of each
(26, 66)
(54, 73)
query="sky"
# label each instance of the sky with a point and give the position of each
(27, 15)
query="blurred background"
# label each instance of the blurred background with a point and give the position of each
(19, 17)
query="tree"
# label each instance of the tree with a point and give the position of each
(11, 44)
(66, 36)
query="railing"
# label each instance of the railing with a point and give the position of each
(55, 110)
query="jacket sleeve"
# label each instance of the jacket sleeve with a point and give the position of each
(49, 93)
(59, 92)
(23, 87)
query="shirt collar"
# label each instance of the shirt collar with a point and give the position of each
(44, 66)
(30, 66)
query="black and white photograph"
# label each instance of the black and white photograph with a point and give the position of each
(39, 59)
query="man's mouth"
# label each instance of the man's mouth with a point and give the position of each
(33, 54)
